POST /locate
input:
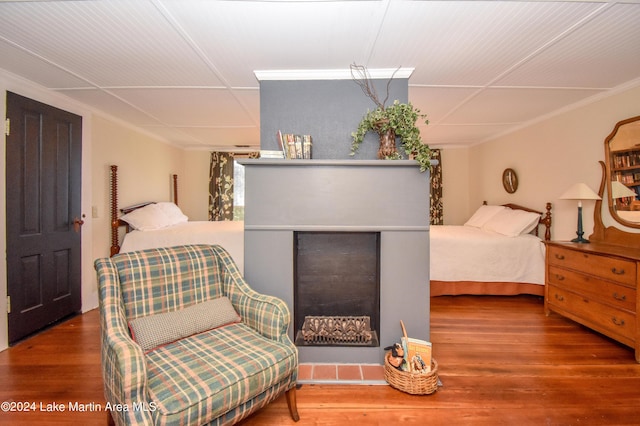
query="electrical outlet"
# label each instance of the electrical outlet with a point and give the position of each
(94, 212)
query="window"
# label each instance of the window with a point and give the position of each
(238, 191)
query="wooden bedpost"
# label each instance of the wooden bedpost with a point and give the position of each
(115, 247)
(547, 223)
(175, 189)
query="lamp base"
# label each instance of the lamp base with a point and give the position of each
(580, 240)
(580, 232)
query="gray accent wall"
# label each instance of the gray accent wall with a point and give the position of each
(328, 110)
(390, 197)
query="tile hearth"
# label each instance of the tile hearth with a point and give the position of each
(356, 374)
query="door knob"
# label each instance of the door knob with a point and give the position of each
(77, 223)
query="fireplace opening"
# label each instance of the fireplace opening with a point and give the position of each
(337, 288)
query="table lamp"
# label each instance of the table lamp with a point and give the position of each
(579, 191)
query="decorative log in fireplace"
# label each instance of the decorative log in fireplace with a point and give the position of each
(337, 330)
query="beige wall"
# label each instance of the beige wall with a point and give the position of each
(455, 186)
(193, 187)
(145, 166)
(548, 157)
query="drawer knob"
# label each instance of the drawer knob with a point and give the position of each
(617, 271)
(560, 277)
(617, 322)
(559, 256)
(621, 297)
(558, 297)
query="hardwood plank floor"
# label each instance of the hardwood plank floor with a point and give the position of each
(501, 361)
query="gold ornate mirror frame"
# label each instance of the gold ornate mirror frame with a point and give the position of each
(625, 138)
(622, 172)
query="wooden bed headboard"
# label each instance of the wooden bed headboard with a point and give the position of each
(116, 223)
(545, 218)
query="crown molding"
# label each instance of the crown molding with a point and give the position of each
(330, 74)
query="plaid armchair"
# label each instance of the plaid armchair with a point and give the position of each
(218, 376)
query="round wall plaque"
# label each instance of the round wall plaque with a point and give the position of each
(510, 181)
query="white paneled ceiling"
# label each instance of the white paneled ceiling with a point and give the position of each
(184, 69)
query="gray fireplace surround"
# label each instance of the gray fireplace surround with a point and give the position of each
(389, 197)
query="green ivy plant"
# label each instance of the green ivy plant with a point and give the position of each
(401, 118)
(398, 118)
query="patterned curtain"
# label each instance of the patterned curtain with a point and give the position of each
(436, 190)
(221, 186)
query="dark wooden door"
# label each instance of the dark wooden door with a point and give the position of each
(44, 153)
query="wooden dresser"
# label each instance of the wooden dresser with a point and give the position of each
(596, 284)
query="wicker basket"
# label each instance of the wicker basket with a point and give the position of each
(413, 383)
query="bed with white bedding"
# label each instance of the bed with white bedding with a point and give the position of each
(162, 224)
(496, 252)
(228, 234)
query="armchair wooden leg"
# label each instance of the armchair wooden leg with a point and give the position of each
(110, 420)
(292, 404)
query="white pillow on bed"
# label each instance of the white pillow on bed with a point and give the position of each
(154, 216)
(512, 223)
(173, 212)
(483, 214)
(146, 218)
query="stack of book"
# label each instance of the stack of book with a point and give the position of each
(294, 146)
(264, 153)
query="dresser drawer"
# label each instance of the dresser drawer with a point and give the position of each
(599, 316)
(609, 268)
(593, 287)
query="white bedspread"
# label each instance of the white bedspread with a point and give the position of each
(464, 253)
(228, 234)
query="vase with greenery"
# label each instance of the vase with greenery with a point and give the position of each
(390, 122)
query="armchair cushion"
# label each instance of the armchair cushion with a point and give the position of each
(197, 378)
(156, 330)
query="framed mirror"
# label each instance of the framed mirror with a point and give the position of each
(622, 172)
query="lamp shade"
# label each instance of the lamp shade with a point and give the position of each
(579, 191)
(620, 190)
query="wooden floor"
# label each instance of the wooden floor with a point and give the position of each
(501, 361)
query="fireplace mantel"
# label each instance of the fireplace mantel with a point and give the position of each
(390, 197)
(347, 195)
